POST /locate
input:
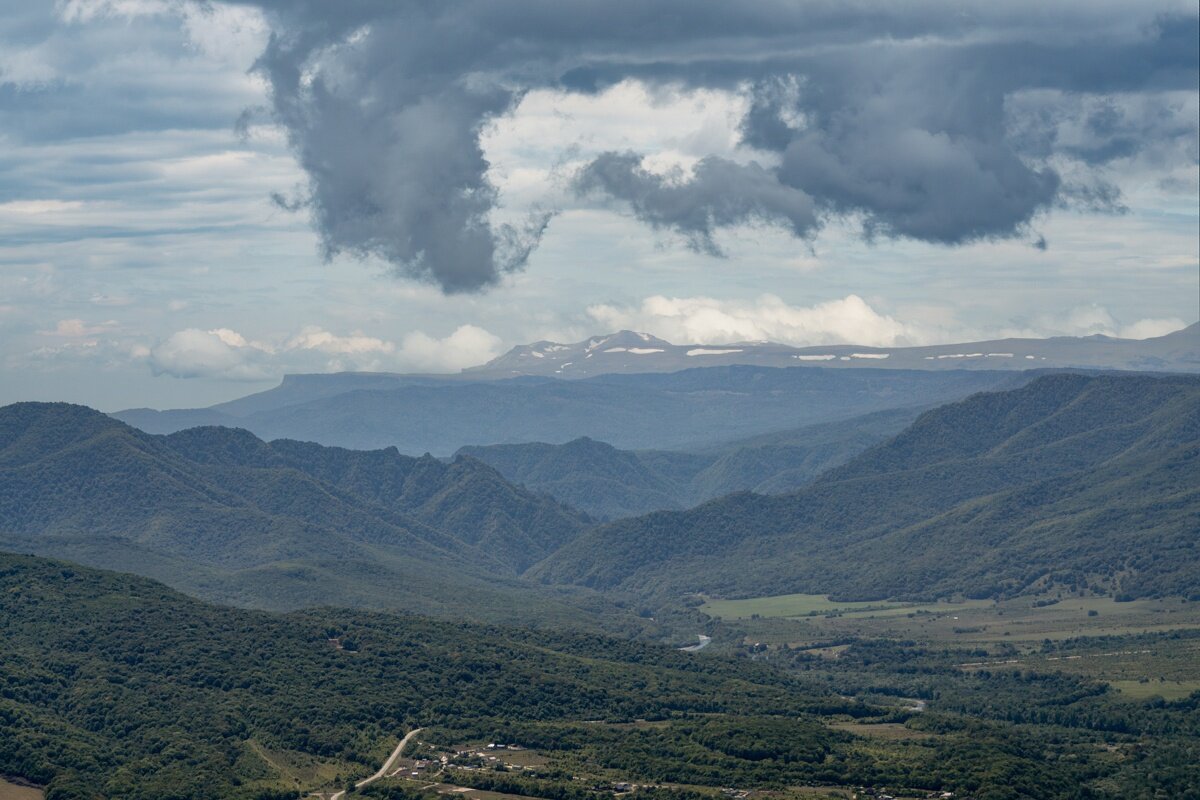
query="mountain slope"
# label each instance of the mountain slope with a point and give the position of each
(681, 410)
(115, 686)
(465, 498)
(593, 476)
(221, 514)
(1069, 478)
(609, 483)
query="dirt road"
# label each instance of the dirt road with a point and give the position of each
(387, 765)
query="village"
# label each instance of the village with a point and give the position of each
(444, 770)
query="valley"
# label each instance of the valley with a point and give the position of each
(599, 400)
(959, 602)
(608, 483)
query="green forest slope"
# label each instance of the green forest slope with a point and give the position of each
(609, 483)
(116, 686)
(1069, 479)
(223, 515)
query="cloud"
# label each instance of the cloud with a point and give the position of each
(891, 114)
(705, 320)
(1151, 328)
(850, 320)
(220, 353)
(718, 194)
(38, 207)
(1094, 319)
(313, 338)
(226, 354)
(1101, 129)
(468, 346)
(77, 328)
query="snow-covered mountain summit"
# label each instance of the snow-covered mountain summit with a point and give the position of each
(631, 351)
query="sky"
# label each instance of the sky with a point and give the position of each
(199, 197)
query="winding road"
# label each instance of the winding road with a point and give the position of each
(387, 765)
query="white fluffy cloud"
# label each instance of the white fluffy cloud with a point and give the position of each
(705, 320)
(1094, 319)
(1150, 328)
(227, 354)
(467, 346)
(219, 353)
(77, 328)
(314, 338)
(850, 320)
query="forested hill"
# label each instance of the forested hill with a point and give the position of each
(224, 515)
(465, 497)
(609, 483)
(115, 686)
(1070, 479)
(612, 483)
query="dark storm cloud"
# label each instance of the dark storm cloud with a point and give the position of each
(719, 193)
(895, 114)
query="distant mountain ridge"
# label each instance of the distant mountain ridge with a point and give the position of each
(1066, 479)
(609, 483)
(224, 515)
(633, 352)
(1071, 479)
(683, 410)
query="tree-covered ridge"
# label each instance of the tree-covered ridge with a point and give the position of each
(224, 515)
(115, 686)
(1070, 478)
(465, 497)
(610, 484)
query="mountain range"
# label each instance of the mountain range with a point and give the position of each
(608, 483)
(1072, 480)
(226, 516)
(684, 410)
(632, 352)
(1068, 479)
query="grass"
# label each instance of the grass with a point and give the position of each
(809, 606)
(891, 731)
(13, 791)
(1167, 690)
(978, 622)
(787, 605)
(300, 770)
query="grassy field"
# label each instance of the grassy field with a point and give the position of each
(300, 769)
(12, 791)
(890, 731)
(1020, 622)
(787, 605)
(1167, 690)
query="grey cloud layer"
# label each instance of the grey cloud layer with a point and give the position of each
(903, 116)
(718, 194)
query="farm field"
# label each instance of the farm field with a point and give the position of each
(789, 605)
(1020, 622)
(1167, 690)
(1144, 650)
